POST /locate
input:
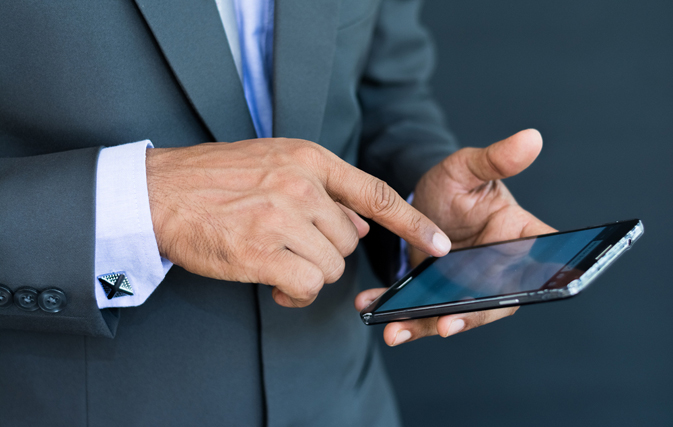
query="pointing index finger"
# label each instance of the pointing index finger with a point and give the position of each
(375, 199)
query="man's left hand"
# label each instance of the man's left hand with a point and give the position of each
(465, 197)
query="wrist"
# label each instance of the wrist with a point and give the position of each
(155, 161)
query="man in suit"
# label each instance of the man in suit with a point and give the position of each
(256, 228)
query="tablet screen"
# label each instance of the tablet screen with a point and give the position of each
(500, 269)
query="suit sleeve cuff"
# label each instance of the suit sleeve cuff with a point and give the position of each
(125, 240)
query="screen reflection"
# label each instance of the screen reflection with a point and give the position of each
(506, 268)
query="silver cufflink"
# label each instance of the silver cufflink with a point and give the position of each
(116, 284)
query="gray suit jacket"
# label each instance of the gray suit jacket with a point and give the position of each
(77, 75)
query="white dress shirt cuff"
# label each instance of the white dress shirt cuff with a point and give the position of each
(125, 240)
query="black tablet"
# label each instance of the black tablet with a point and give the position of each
(524, 271)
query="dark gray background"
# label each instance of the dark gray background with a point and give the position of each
(595, 77)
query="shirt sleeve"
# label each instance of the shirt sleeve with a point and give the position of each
(125, 240)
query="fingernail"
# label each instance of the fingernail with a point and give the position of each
(401, 337)
(441, 242)
(455, 327)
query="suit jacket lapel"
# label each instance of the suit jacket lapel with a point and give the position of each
(304, 43)
(192, 38)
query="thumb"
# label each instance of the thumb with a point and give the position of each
(501, 159)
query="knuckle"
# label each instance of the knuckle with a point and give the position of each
(311, 284)
(492, 163)
(415, 222)
(258, 261)
(335, 270)
(383, 200)
(350, 243)
(448, 163)
(307, 151)
(303, 189)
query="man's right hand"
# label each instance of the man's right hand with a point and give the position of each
(273, 211)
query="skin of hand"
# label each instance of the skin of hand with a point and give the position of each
(465, 196)
(276, 211)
